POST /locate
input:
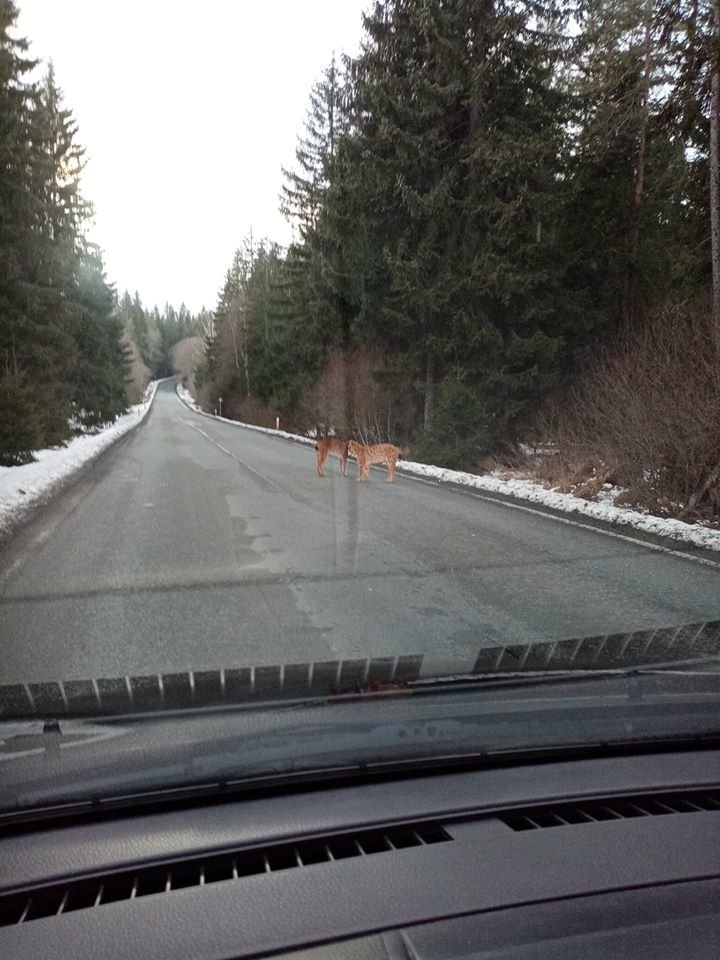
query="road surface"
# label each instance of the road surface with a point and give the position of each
(196, 544)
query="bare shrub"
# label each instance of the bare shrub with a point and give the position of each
(647, 415)
(140, 373)
(185, 356)
(249, 410)
(358, 395)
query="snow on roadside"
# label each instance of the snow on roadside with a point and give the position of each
(528, 490)
(188, 399)
(25, 486)
(520, 489)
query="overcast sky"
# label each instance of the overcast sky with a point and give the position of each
(187, 111)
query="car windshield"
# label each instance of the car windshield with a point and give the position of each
(359, 376)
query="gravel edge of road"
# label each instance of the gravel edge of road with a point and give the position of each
(575, 517)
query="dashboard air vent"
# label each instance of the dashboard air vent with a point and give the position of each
(129, 884)
(620, 808)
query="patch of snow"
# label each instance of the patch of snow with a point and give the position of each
(538, 449)
(187, 397)
(520, 489)
(23, 487)
(609, 493)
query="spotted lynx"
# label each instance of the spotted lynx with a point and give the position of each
(331, 447)
(379, 453)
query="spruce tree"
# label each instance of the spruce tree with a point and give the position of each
(139, 326)
(60, 352)
(52, 255)
(457, 137)
(20, 430)
(102, 368)
(316, 280)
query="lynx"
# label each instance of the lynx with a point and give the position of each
(331, 447)
(379, 453)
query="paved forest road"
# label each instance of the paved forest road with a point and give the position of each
(195, 544)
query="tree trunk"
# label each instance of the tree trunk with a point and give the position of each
(715, 171)
(238, 317)
(232, 323)
(639, 187)
(246, 352)
(429, 389)
(639, 181)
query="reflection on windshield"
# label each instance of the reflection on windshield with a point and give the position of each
(432, 394)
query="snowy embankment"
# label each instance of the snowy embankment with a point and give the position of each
(519, 489)
(24, 487)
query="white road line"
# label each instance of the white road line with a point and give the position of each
(232, 455)
(511, 506)
(8, 571)
(571, 523)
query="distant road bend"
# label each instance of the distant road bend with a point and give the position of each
(196, 544)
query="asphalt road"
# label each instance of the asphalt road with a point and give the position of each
(195, 544)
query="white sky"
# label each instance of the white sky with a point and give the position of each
(187, 111)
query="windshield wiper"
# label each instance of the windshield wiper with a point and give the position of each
(538, 676)
(513, 678)
(639, 653)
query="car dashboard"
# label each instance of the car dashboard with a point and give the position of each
(612, 857)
